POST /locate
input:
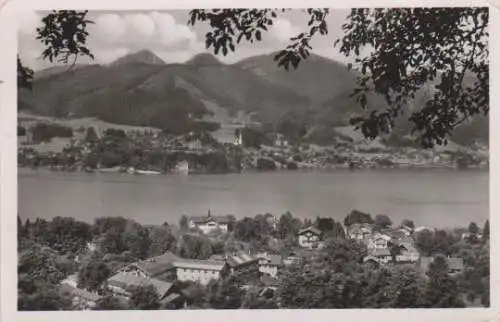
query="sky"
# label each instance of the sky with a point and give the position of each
(166, 33)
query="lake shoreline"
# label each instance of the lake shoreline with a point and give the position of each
(300, 170)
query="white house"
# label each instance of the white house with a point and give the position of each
(210, 223)
(201, 271)
(309, 237)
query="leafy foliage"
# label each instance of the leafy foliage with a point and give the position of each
(64, 35)
(357, 217)
(162, 239)
(93, 274)
(44, 132)
(414, 47)
(446, 47)
(382, 221)
(109, 302)
(144, 298)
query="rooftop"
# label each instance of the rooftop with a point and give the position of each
(311, 229)
(126, 281)
(218, 219)
(159, 264)
(240, 259)
(214, 265)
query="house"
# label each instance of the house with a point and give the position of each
(159, 267)
(270, 264)
(379, 241)
(359, 232)
(408, 231)
(243, 265)
(379, 255)
(408, 254)
(122, 284)
(81, 299)
(210, 223)
(309, 237)
(280, 140)
(201, 271)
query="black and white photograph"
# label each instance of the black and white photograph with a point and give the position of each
(253, 158)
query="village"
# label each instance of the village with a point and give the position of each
(233, 149)
(260, 272)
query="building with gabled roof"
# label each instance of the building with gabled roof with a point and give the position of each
(122, 284)
(359, 232)
(201, 271)
(210, 223)
(309, 237)
(160, 267)
(243, 265)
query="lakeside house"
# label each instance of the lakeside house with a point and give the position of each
(309, 237)
(210, 223)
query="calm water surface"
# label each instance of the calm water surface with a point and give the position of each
(437, 198)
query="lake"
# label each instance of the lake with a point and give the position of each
(435, 198)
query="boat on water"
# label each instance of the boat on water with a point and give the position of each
(147, 172)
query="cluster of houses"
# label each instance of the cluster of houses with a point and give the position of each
(384, 246)
(162, 271)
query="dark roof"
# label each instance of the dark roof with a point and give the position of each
(240, 259)
(312, 229)
(159, 264)
(127, 281)
(218, 219)
(200, 264)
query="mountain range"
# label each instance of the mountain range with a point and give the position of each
(141, 89)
